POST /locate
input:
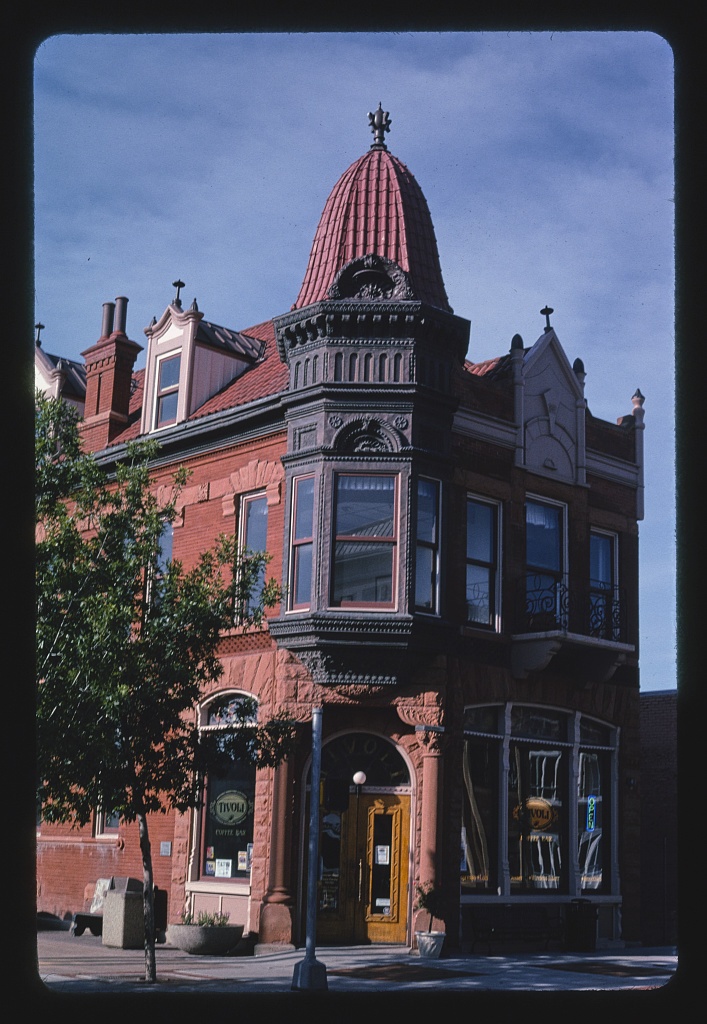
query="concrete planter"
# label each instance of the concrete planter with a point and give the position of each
(205, 940)
(429, 944)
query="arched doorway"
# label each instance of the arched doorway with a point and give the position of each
(364, 842)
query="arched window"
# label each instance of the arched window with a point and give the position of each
(227, 816)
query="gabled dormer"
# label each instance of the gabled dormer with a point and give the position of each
(550, 409)
(188, 361)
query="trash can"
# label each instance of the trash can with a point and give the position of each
(581, 927)
(123, 920)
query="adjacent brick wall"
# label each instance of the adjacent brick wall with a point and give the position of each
(659, 817)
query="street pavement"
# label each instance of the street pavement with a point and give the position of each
(81, 965)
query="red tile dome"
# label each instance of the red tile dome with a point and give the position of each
(376, 207)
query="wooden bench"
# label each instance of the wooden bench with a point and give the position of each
(510, 924)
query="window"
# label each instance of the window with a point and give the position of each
(482, 578)
(106, 823)
(365, 540)
(302, 542)
(254, 537)
(167, 390)
(520, 765)
(546, 591)
(228, 812)
(427, 547)
(604, 619)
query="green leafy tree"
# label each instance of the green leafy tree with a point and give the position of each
(127, 639)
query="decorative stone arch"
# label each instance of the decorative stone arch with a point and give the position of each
(550, 448)
(371, 277)
(366, 434)
(255, 476)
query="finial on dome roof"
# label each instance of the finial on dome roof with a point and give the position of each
(546, 313)
(178, 285)
(39, 327)
(380, 124)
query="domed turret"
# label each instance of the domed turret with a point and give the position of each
(376, 207)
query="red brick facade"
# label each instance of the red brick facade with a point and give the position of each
(369, 383)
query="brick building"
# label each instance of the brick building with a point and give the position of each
(459, 547)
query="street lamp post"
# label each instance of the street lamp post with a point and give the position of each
(310, 974)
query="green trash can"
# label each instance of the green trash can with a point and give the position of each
(581, 926)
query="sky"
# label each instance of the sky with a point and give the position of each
(546, 159)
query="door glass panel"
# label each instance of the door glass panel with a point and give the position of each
(380, 868)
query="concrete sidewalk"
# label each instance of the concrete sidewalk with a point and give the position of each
(79, 965)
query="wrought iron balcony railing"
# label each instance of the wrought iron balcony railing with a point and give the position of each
(546, 605)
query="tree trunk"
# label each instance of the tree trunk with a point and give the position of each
(148, 900)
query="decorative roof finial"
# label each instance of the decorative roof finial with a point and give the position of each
(546, 313)
(380, 124)
(178, 285)
(39, 327)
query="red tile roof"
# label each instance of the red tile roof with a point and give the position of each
(267, 377)
(376, 207)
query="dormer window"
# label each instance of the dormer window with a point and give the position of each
(167, 390)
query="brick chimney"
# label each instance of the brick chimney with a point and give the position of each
(109, 370)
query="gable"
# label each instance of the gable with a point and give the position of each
(553, 412)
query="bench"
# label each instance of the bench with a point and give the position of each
(512, 924)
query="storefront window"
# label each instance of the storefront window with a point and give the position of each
(228, 811)
(520, 765)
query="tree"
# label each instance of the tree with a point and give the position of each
(126, 639)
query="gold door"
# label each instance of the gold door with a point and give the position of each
(363, 881)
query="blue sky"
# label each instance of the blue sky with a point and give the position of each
(546, 159)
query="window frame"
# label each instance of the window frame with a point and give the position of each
(201, 877)
(246, 500)
(610, 627)
(434, 546)
(497, 734)
(560, 576)
(166, 391)
(391, 541)
(305, 542)
(494, 566)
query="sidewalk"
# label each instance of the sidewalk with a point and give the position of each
(80, 965)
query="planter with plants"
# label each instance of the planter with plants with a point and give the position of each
(429, 898)
(205, 935)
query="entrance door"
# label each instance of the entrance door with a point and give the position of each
(363, 881)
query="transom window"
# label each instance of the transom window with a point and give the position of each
(167, 390)
(365, 540)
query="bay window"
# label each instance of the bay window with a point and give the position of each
(302, 542)
(427, 547)
(365, 540)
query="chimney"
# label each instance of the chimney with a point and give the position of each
(108, 312)
(109, 371)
